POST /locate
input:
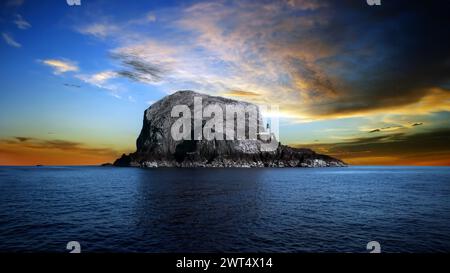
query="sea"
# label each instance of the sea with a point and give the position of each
(292, 210)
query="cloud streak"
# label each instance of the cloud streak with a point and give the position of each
(10, 40)
(139, 69)
(99, 30)
(21, 23)
(61, 66)
(99, 79)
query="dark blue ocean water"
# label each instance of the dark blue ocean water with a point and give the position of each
(405, 209)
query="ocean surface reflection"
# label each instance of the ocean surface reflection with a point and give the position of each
(406, 209)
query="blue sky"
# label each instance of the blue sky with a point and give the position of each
(341, 73)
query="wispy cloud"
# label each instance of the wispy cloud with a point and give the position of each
(123, 31)
(98, 79)
(138, 68)
(10, 40)
(61, 66)
(100, 30)
(150, 17)
(20, 22)
(101, 80)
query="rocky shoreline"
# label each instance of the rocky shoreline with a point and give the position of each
(285, 157)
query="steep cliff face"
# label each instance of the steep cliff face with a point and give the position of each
(156, 146)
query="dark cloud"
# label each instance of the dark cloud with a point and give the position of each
(138, 69)
(72, 85)
(22, 139)
(388, 128)
(417, 124)
(336, 58)
(383, 56)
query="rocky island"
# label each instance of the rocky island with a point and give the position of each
(157, 148)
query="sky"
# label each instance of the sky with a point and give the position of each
(367, 84)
